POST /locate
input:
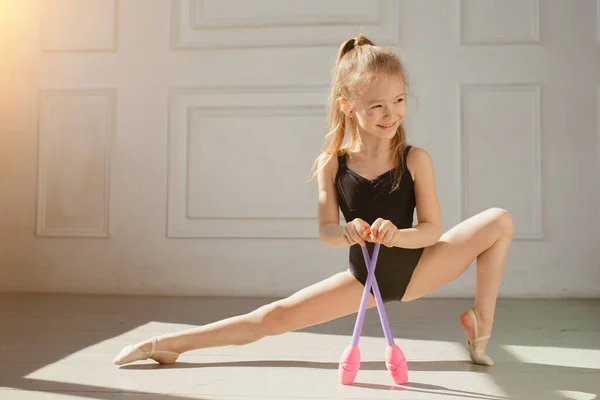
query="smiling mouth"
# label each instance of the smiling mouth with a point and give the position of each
(387, 126)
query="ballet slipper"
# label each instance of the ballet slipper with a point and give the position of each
(132, 353)
(478, 355)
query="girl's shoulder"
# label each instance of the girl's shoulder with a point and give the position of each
(329, 164)
(416, 152)
(418, 159)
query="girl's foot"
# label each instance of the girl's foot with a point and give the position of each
(473, 324)
(146, 350)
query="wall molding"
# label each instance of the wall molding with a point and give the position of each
(46, 34)
(534, 39)
(189, 31)
(199, 21)
(182, 101)
(44, 102)
(535, 89)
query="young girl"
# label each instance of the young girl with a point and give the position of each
(377, 180)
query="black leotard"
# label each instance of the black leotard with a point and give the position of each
(359, 197)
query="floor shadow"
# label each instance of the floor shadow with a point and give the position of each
(430, 389)
(93, 392)
(450, 366)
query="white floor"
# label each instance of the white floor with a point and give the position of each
(61, 347)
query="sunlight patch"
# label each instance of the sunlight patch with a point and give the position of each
(570, 394)
(559, 356)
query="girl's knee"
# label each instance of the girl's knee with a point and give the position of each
(271, 320)
(503, 220)
(506, 223)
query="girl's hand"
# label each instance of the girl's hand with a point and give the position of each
(357, 231)
(385, 232)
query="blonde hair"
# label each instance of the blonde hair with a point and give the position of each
(359, 63)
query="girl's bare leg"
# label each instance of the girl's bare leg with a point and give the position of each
(324, 301)
(486, 236)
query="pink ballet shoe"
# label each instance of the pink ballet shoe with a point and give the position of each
(132, 353)
(396, 364)
(349, 365)
(478, 355)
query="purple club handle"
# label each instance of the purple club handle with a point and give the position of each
(387, 331)
(365, 297)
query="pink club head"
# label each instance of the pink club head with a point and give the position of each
(349, 365)
(396, 364)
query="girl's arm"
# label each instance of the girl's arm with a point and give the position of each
(330, 231)
(429, 229)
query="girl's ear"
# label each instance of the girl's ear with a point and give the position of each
(345, 106)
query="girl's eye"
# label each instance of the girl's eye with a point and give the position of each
(399, 101)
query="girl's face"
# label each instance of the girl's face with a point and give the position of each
(381, 110)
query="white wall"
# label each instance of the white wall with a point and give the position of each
(143, 143)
